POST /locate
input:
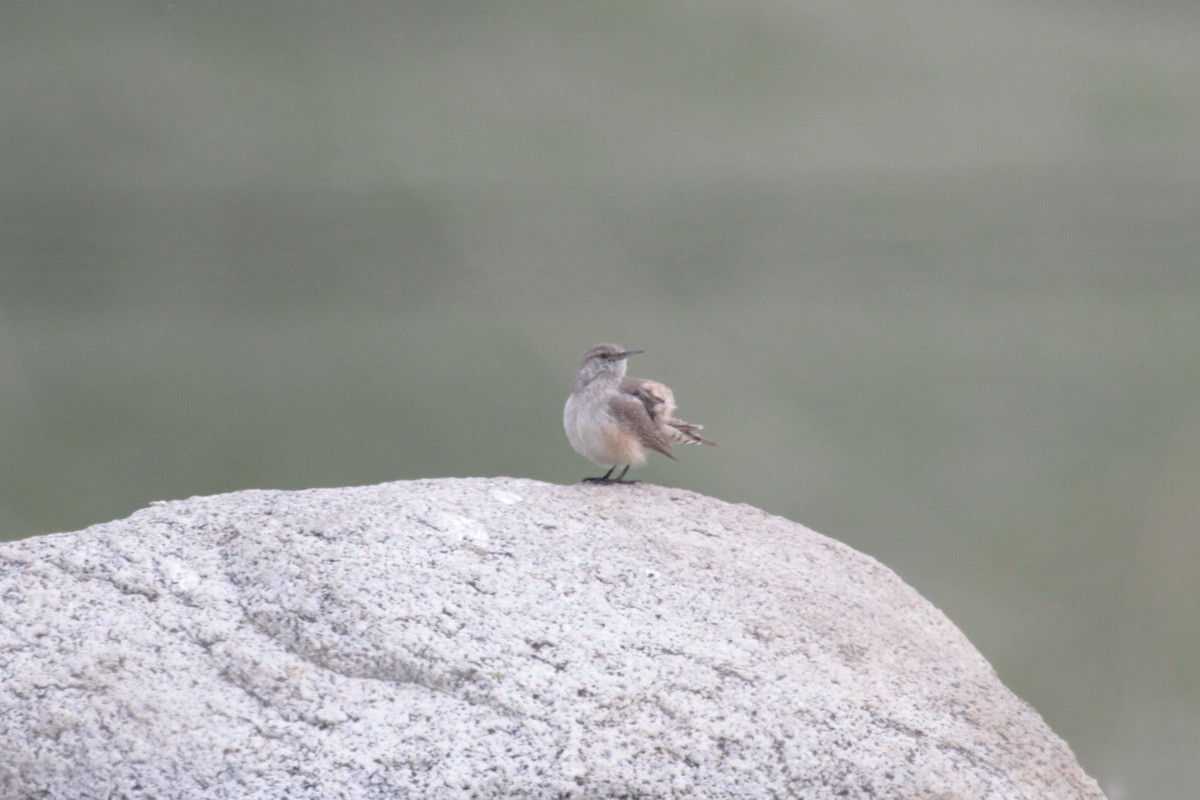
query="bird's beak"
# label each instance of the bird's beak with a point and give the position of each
(629, 353)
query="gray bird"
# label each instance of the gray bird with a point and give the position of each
(613, 419)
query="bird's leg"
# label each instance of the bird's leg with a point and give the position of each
(603, 478)
(608, 479)
(621, 478)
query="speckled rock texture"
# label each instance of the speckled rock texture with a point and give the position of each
(491, 638)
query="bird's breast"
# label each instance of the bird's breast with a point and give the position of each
(594, 433)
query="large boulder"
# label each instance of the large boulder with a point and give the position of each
(487, 638)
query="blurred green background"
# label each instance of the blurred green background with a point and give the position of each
(930, 271)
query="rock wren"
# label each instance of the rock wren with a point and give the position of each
(612, 418)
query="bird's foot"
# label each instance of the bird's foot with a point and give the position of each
(619, 479)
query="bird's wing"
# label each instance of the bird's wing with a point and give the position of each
(630, 412)
(659, 401)
(658, 398)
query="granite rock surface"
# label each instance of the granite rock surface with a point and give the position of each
(488, 638)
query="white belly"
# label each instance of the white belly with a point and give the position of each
(595, 435)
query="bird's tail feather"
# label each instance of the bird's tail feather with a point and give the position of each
(680, 432)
